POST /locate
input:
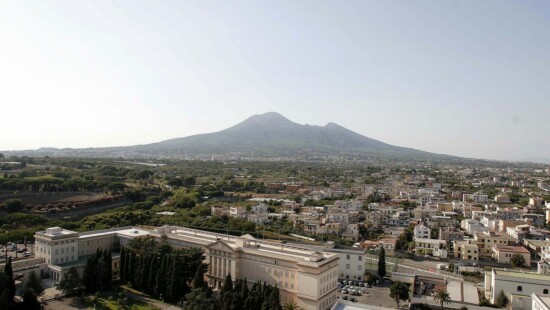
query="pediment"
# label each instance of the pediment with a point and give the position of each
(220, 246)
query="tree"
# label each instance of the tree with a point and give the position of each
(442, 297)
(502, 300)
(225, 293)
(517, 260)
(199, 282)
(197, 300)
(382, 262)
(71, 283)
(30, 300)
(399, 291)
(9, 287)
(5, 301)
(13, 205)
(34, 283)
(290, 305)
(273, 300)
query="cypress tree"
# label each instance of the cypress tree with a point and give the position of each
(176, 289)
(34, 283)
(382, 262)
(226, 293)
(5, 301)
(130, 265)
(88, 276)
(136, 271)
(244, 290)
(198, 281)
(152, 278)
(161, 277)
(9, 287)
(30, 301)
(108, 275)
(123, 262)
(274, 302)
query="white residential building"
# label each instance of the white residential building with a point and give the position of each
(351, 262)
(421, 231)
(517, 286)
(430, 247)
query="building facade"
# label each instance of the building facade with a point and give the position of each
(307, 277)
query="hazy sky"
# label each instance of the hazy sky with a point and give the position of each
(467, 78)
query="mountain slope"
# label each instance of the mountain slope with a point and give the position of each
(266, 135)
(272, 133)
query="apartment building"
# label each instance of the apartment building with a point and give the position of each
(421, 231)
(466, 249)
(430, 247)
(238, 212)
(352, 262)
(307, 277)
(486, 240)
(503, 253)
(472, 226)
(450, 234)
(517, 286)
(477, 198)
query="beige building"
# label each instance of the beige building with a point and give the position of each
(466, 249)
(503, 253)
(486, 240)
(303, 275)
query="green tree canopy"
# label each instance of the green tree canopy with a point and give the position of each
(13, 205)
(502, 300)
(71, 283)
(517, 260)
(34, 283)
(399, 291)
(382, 262)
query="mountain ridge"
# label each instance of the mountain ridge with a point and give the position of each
(261, 135)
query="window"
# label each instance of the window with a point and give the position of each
(545, 291)
(359, 267)
(360, 258)
(347, 256)
(347, 266)
(520, 288)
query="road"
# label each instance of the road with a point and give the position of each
(409, 267)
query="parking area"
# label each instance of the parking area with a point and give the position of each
(360, 292)
(16, 251)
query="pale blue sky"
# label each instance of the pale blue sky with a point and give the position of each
(467, 78)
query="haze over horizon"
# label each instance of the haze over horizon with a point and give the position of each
(463, 78)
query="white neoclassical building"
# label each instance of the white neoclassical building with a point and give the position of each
(303, 275)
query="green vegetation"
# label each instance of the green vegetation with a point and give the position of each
(517, 261)
(98, 272)
(158, 270)
(502, 300)
(399, 291)
(71, 284)
(382, 262)
(442, 297)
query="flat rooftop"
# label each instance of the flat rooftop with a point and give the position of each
(126, 231)
(56, 232)
(511, 248)
(545, 300)
(523, 275)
